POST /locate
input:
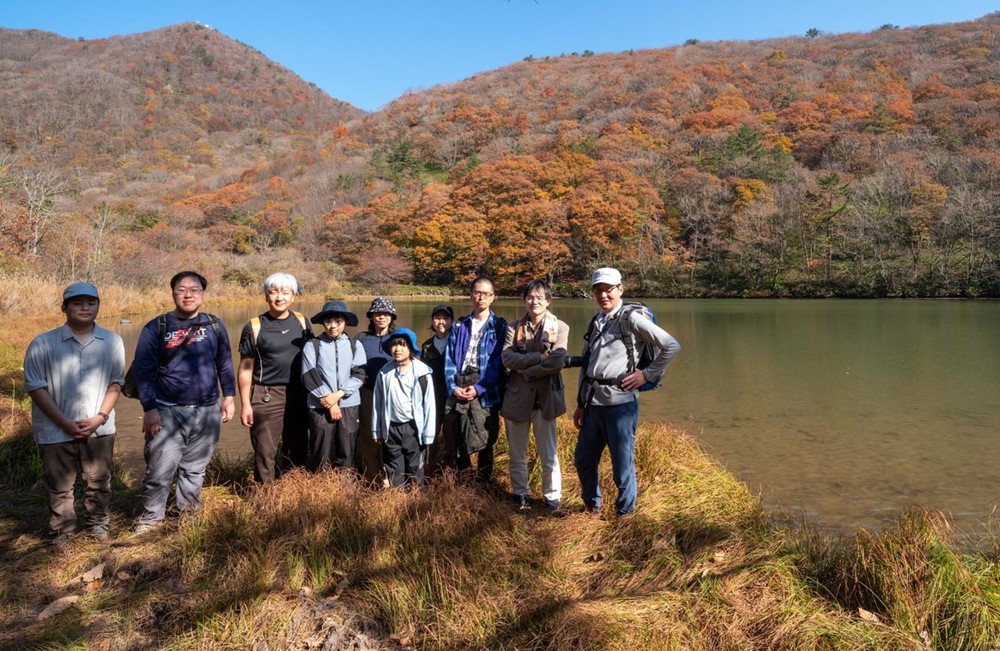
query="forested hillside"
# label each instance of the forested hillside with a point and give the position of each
(850, 165)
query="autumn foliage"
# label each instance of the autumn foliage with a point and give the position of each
(851, 165)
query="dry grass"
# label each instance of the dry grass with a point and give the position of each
(320, 559)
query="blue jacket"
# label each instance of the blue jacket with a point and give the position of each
(493, 377)
(422, 396)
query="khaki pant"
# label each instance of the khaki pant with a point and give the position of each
(61, 463)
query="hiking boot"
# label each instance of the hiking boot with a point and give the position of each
(522, 502)
(592, 513)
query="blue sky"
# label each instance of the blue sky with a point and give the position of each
(369, 52)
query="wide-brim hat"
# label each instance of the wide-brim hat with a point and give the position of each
(335, 308)
(382, 305)
(402, 333)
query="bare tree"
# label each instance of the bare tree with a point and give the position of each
(41, 188)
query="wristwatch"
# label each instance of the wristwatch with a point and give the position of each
(104, 416)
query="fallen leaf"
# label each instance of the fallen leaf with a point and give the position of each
(868, 616)
(596, 556)
(123, 576)
(57, 606)
(95, 573)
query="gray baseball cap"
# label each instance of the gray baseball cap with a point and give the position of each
(80, 289)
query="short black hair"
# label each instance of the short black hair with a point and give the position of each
(535, 285)
(188, 274)
(481, 279)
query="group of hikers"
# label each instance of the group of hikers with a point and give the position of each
(379, 404)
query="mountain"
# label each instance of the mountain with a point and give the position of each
(851, 165)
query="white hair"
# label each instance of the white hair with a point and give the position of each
(281, 280)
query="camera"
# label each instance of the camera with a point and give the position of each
(575, 361)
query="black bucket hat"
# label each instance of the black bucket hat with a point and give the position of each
(335, 308)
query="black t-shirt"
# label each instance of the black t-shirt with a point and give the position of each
(277, 354)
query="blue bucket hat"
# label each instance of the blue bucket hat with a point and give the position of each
(403, 333)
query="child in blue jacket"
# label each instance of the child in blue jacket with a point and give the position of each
(403, 413)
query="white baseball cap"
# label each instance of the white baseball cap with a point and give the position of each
(606, 276)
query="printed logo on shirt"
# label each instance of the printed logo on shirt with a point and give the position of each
(176, 338)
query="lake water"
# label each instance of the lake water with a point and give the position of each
(844, 411)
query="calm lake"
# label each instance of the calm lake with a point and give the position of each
(843, 411)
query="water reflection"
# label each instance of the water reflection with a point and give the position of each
(843, 410)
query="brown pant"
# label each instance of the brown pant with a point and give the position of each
(61, 463)
(279, 433)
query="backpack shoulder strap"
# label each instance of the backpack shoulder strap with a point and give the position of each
(423, 383)
(255, 328)
(625, 331)
(161, 328)
(302, 320)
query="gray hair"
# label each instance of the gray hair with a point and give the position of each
(280, 280)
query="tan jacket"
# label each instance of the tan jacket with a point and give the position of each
(535, 360)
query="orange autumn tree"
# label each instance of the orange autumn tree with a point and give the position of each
(526, 217)
(504, 219)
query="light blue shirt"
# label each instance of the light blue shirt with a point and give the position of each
(76, 374)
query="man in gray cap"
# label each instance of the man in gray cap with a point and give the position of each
(607, 412)
(74, 375)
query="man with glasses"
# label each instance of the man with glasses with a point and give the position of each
(607, 412)
(475, 379)
(181, 359)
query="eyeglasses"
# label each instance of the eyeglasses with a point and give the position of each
(605, 290)
(482, 294)
(535, 299)
(188, 291)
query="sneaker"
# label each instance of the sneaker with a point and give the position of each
(552, 505)
(62, 538)
(145, 527)
(522, 502)
(99, 533)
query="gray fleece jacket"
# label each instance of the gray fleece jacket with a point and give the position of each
(608, 361)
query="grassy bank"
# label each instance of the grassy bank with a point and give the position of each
(319, 558)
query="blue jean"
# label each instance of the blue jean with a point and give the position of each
(612, 427)
(184, 445)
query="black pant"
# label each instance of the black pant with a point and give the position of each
(402, 455)
(332, 442)
(484, 458)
